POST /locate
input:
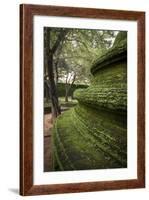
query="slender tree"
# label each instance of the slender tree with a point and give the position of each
(50, 50)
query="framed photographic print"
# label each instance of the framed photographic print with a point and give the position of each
(82, 99)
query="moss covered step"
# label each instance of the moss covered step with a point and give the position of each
(93, 134)
(108, 88)
(117, 53)
(89, 143)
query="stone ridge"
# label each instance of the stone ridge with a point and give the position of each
(115, 54)
(108, 89)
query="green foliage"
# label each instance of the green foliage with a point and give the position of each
(78, 50)
(61, 89)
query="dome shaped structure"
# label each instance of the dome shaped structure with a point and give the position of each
(93, 134)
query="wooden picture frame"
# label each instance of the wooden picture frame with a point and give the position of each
(27, 12)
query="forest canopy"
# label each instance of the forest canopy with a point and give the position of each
(68, 55)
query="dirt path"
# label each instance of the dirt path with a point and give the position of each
(48, 124)
(47, 143)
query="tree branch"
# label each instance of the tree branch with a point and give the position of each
(60, 38)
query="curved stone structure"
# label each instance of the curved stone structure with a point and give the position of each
(93, 135)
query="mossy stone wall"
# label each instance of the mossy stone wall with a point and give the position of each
(93, 134)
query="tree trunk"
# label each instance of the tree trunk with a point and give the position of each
(68, 88)
(50, 51)
(56, 74)
(52, 88)
(46, 92)
(66, 94)
(51, 82)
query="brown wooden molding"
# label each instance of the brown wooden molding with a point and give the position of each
(27, 12)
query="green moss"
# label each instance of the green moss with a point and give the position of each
(93, 134)
(108, 89)
(121, 38)
(88, 141)
(117, 53)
